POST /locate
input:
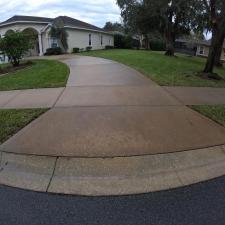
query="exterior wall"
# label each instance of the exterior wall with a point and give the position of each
(77, 38)
(80, 39)
(21, 27)
(206, 52)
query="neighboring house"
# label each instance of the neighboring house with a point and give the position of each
(203, 49)
(80, 34)
(186, 46)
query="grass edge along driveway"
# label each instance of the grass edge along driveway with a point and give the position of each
(166, 71)
(214, 112)
(42, 74)
(13, 120)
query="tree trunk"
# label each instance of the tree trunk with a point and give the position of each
(218, 32)
(170, 43)
(212, 54)
(220, 48)
(218, 57)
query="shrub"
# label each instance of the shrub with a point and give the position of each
(88, 48)
(125, 41)
(53, 51)
(109, 47)
(76, 50)
(15, 45)
(157, 45)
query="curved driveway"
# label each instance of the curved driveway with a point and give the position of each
(109, 110)
(111, 131)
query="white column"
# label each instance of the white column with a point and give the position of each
(40, 44)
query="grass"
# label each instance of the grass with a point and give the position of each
(42, 74)
(216, 113)
(13, 120)
(166, 71)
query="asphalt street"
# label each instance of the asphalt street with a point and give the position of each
(200, 204)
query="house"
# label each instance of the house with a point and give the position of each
(80, 34)
(203, 49)
(186, 46)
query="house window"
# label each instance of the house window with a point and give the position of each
(201, 50)
(53, 42)
(101, 40)
(89, 39)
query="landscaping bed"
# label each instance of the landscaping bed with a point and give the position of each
(6, 69)
(41, 74)
(13, 120)
(181, 70)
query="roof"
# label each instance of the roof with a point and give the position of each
(18, 18)
(71, 22)
(67, 21)
(208, 43)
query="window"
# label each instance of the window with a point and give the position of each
(101, 40)
(89, 39)
(201, 50)
(53, 42)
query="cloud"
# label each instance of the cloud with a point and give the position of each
(96, 12)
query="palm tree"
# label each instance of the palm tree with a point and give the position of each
(60, 34)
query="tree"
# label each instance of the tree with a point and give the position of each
(109, 26)
(216, 11)
(170, 17)
(59, 32)
(15, 46)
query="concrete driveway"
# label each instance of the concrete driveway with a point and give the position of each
(108, 110)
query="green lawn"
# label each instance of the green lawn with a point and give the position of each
(42, 74)
(12, 120)
(216, 113)
(166, 71)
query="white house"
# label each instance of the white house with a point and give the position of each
(80, 34)
(203, 49)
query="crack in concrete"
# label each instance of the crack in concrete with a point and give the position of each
(53, 172)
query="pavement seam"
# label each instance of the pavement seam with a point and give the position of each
(1, 168)
(53, 172)
(12, 98)
(175, 170)
(57, 99)
(117, 106)
(172, 95)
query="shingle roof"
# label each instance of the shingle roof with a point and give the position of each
(67, 21)
(18, 18)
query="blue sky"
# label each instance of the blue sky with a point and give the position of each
(96, 12)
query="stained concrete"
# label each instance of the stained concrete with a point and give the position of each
(116, 131)
(7, 96)
(198, 95)
(34, 98)
(123, 96)
(28, 172)
(106, 74)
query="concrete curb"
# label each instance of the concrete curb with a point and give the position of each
(111, 176)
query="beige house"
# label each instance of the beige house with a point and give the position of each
(203, 49)
(80, 34)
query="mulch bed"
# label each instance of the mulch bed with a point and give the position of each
(10, 69)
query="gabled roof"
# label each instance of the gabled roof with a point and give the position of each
(65, 20)
(71, 22)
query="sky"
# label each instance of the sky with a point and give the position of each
(96, 12)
